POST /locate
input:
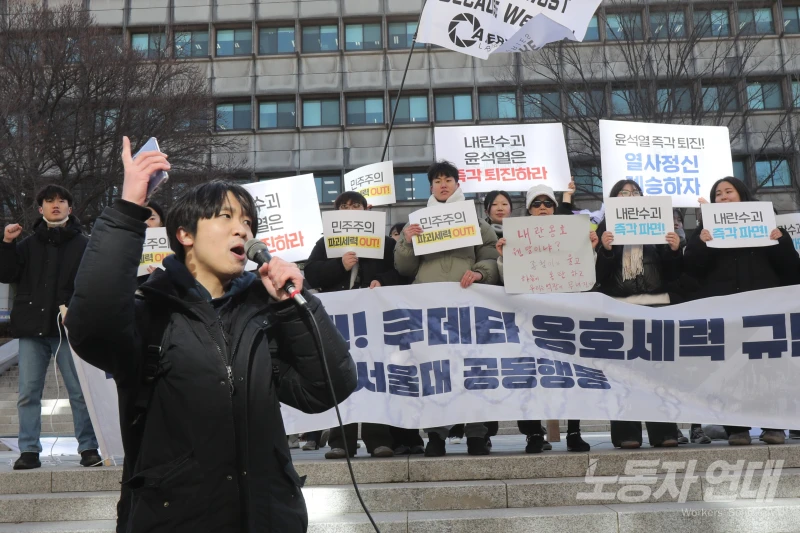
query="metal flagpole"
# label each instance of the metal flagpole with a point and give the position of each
(402, 83)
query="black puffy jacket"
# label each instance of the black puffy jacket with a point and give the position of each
(329, 275)
(206, 457)
(723, 271)
(43, 266)
(662, 268)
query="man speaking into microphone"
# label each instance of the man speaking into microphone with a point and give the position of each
(199, 389)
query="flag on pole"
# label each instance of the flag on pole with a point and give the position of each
(482, 27)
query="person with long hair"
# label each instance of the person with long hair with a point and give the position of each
(723, 271)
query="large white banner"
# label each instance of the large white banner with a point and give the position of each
(547, 254)
(506, 157)
(351, 230)
(289, 221)
(791, 223)
(639, 220)
(436, 354)
(446, 227)
(665, 159)
(739, 224)
(374, 182)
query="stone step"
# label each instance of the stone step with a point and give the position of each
(62, 429)
(781, 515)
(46, 418)
(7, 406)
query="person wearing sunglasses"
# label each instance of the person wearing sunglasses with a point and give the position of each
(541, 201)
(639, 274)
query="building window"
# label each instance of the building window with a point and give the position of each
(541, 105)
(773, 173)
(502, 106)
(591, 103)
(150, 45)
(796, 94)
(791, 19)
(677, 100)
(276, 115)
(720, 98)
(191, 44)
(765, 95)
(362, 37)
(320, 38)
(450, 107)
(272, 41)
(738, 170)
(321, 113)
(756, 21)
(623, 26)
(712, 23)
(628, 101)
(233, 117)
(411, 109)
(593, 31)
(234, 42)
(401, 35)
(363, 111)
(328, 188)
(587, 179)
(412, 186)
(667, 25)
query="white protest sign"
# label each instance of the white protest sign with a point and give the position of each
(639, 219)
(289, 222)
(546, 254)
(507, 157)
(791, 223)
(156, 249)
(362, 232)
(374, 182)
(446, 227)
(665, 159)
(739, 224)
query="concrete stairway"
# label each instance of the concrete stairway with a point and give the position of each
(505, 492)
(59, 423)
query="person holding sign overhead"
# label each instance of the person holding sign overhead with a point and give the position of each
(541, 201)
(345, 273)
(638, 274)
(723, 271)
(468, 265)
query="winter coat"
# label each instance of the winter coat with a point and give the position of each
(452, 264)
(723, 271)
(43, 266)
(211, 452)
(329, 275)
(662, 267)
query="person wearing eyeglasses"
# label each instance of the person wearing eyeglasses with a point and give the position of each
(644, 275)
(541, 201)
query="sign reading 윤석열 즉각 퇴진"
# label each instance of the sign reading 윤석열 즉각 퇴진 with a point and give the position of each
(665, 159)
(507, 157)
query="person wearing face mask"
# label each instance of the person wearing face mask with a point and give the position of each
(541, 201)
(644, 275)
(345, 273)
(468, 265)
(723, 271)
(44, 266)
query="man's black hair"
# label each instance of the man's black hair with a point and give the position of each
(744, 191)
(159, 211)
(205, 201)
(398, 228)
(349, 197)
(442, 168)
(51, 192)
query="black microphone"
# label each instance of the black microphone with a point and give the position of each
(258, 252)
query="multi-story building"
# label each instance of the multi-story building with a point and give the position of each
(309, 85)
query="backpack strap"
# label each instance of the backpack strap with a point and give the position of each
(154, 364)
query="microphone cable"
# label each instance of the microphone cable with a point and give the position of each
(320, 346)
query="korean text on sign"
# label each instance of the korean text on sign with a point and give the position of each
(639, 220)
(375, 182)
(446, 227)
(548, 254)
(155, 250)
(791, 223)
(362, 232)
(739, 224)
